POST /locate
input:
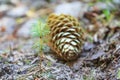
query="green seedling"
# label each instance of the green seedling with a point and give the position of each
(107, 14)
(104, 1)
(41, 30)
(118, 74)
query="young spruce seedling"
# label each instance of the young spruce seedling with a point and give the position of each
(41, 30)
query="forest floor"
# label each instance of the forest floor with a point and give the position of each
(21, 60)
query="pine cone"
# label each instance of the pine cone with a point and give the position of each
(66, 36)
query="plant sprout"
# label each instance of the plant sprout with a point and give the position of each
(118, 74)
(107, 14)
(40, 29)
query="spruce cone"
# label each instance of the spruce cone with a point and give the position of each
(66, 37)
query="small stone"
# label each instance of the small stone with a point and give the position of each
(8, 23)
(37, 4)
(20, 63)
(116, 1)
(30, 77)
(103, 5)
(75, 9)
(4, 8)
(88, 46)
(25, 30)
(18, 11)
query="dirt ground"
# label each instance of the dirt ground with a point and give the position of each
(21, 60)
